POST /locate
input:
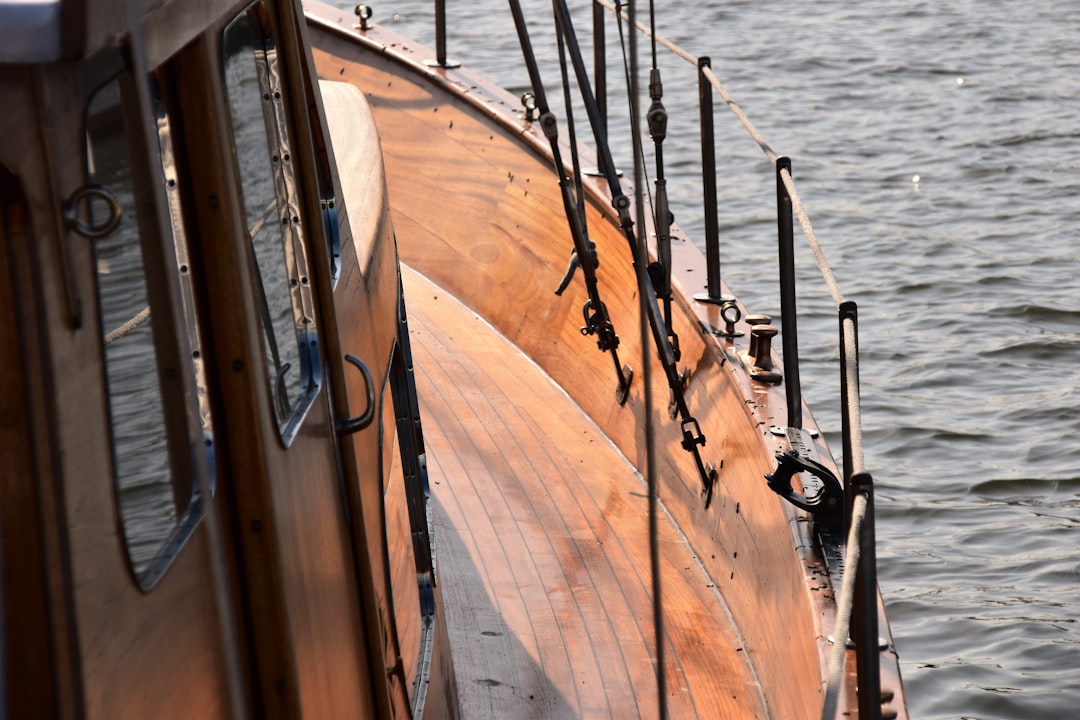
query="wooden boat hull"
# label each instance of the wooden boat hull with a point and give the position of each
(288, 498)
(498, 244)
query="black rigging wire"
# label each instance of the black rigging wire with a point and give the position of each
(635, 139)
(597, 321)
(651, 317)
(571, 132)
(652, 26)
(665, 339)
(644, 291)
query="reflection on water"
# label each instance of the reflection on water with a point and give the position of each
(155, 468)
(261, 139)
(158, 499)
(140, 452)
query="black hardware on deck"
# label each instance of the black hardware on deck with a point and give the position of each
(830, 501)
(597, 320)
(693, 439)
(440, 39)
(714, 292)
(788, 316)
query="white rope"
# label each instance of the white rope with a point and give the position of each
(258, 226)
(843, 609)
(143, 315)
(129, 327)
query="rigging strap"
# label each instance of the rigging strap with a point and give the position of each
(660, 271)
(657, 119)
(597, 320)
(666, 341)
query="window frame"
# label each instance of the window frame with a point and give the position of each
(175, 330)
(291, 219)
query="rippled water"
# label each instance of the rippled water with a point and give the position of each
(936, 146)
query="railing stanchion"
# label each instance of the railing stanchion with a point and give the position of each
(440, 39)
(849, 399)
(440, 32)
(865, 610)
(788, 315)
(714, 293)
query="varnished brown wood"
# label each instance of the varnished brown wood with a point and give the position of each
(318, 557)
(509, 233)
(540, 512)
(30, 685)
(258, 587)
(299, 579)
(362, 294)
(109, 649)
(38, 457)
(116, 650)
(498, 242)
(541, 527)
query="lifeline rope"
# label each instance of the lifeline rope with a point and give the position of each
(860, 504)
(789, 183)
(843, 610)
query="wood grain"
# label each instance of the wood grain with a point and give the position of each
(542, 529)
(499, 243)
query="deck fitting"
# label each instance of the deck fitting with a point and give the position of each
(759, 357)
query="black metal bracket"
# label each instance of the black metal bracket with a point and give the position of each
(708, 480)
(598, 324)
(825, 496)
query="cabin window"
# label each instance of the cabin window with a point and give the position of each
(253, 78)
(154, 469)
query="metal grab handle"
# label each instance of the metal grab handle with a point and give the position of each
(349, 426)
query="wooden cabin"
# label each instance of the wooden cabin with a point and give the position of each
(213, 498)
(293, 424)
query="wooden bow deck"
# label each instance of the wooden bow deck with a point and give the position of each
(541, 536)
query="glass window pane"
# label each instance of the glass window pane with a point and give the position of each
(273, 219)
(157, 493)
(148, 506)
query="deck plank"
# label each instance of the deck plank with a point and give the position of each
(541, 533)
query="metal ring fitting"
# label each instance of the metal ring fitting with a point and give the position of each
(89, 193)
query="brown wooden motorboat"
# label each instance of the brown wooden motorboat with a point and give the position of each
(293, 422)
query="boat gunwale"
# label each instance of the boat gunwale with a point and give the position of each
(761, 403)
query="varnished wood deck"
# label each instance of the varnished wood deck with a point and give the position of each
(541, 539)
